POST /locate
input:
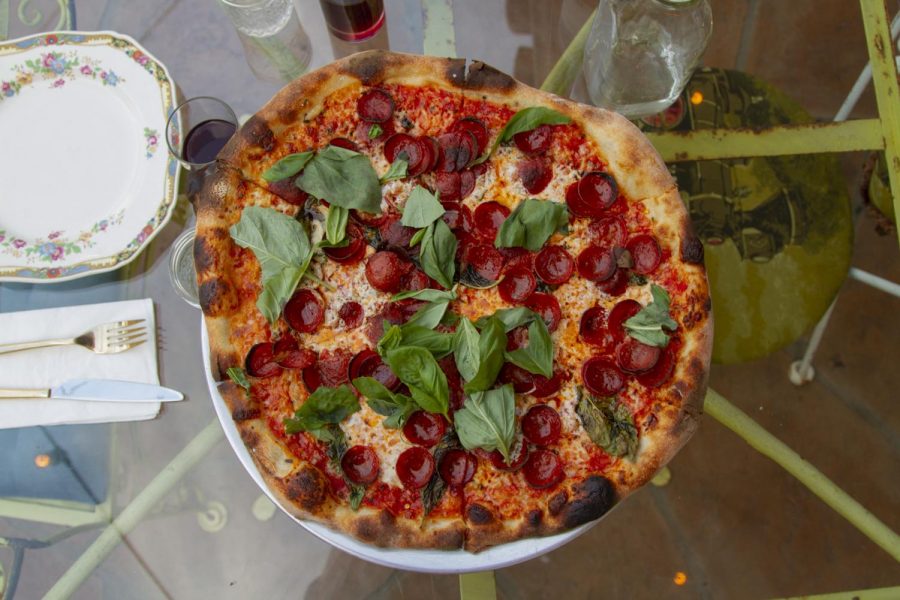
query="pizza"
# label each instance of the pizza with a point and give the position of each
(448, 310)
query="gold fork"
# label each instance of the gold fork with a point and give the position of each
(108, 338)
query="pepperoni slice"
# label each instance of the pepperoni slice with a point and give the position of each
(484, 260)
(535, 173)
(415, 466)
(375, 106)
(424, 428)
(311, 379)
(636, 357)
(489, 216)
(290, 356)
(385, 271)
(615, 285)
(416, 152)
(304, 312)
(447, 186)
(518, 258)
(536, 141)
(367, 219)
(591, 329)
(547, 306)
(554, 265)
(417, 280)
(545, 387)
(333, 367)
(458, 149)
(517, 458)
(477, 128)
(458, 467)
(346, 144)
(601, 377)
(367, 363)
(541, 425)
(620, 313)
(360, 464)
(351, 314)
(517, 338)
(454, 381)
(363, 133)
(521, 380)
(466, 183)
(398, 143)
(598, 191)
(517, 286)
(645, 253)
(434, 151)
(660, 372)
(596, 264)
(288, 191)
(576, 205)
(260, 361)
(608, 231)
(457, 215)
(429, 158)
(394, 233)
(350, 254)
(544, 469)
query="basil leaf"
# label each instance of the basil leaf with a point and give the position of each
(438, 343)
(282, 248)
(608, 423)
(426, 295)
(336, 224)
(531, 224)
(396, 407)
(465, 350)
(438, 253)
(488, 420)
(434, 489)
(647, 325)
(418, 369)
(451, 319)
(537, 356)
(397, 171)
(344, 177)
(375, 130)
(337, 446)
(392, 338)
(324, 406)
(510, 317)
(429, 316)
(416, 238)
(525, 120)
(422, 208)
(287, 166)
(237, 375)
(491, 346)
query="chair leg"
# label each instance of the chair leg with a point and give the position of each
(801, 371)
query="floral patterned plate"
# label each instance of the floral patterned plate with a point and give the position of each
(85, 179)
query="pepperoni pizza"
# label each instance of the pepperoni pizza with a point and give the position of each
(446, 309)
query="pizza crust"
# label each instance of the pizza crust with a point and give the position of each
(642, 176)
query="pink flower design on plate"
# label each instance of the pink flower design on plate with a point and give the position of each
(54, 235)
(57, 253)
(18, 243)
(59, 83)
(2, 237)
(86, 70)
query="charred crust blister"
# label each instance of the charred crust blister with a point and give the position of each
(534, 518)
(479, 515)
(692, 250)
(368, 67)
(593, 497)
(256, 133)
(204, 255)
(557, 503)
(456, 71)
(211, 295)
(307, 487)
(485, 77)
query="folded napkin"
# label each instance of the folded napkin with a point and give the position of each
(48, 367)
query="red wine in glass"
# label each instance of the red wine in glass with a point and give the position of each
(204, 141)
(353, 20)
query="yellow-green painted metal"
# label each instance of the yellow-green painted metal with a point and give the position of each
(55, 512)
(887, 89)
(477, 586)
(777, 230)
(811, 138)
(439, 35)
(564, 73)
(768, 445)
(888, 593)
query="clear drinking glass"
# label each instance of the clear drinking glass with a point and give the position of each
(181, 268)
(641, 53)
(209, 123)
(275, 44)
(353, 20)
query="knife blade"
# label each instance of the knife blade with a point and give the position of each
(99, 390)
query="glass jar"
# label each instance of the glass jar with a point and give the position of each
(640, 53)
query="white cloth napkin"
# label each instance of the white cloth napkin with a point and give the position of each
(48, 367)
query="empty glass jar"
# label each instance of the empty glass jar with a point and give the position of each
(640, 53)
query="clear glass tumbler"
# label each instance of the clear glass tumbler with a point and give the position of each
(275, 44)
(641, 53)
(209, 123)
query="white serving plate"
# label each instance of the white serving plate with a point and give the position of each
(86, 180)
(425, 561)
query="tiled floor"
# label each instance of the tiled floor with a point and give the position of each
(734, 523)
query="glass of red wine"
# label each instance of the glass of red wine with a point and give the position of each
(209, 124)
(353, 20)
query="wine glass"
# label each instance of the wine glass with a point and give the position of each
(210, 123)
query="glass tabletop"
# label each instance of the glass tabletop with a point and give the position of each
(728, 522)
